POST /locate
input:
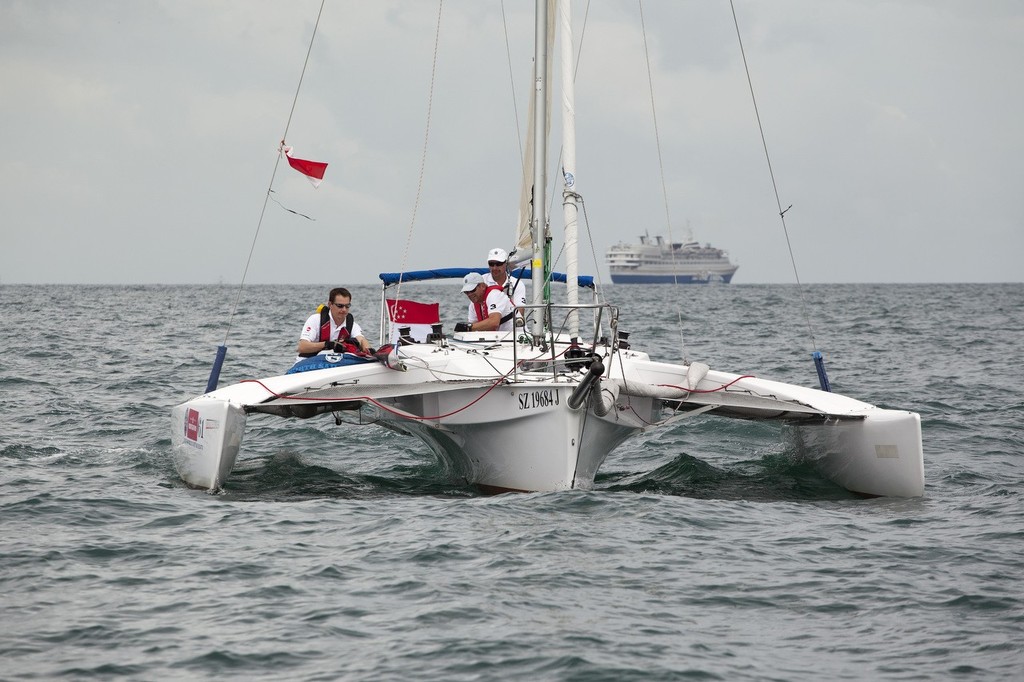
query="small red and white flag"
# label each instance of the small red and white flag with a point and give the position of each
(410, 312)
(313, 170)
(416, 316)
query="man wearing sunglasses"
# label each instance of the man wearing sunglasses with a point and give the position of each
(332, 329)
(497, 264)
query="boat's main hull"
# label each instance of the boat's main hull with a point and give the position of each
(521, 437)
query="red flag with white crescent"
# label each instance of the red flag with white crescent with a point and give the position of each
(313, 170)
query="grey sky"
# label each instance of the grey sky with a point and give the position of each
(142, 137)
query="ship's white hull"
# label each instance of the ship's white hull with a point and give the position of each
(673, 275)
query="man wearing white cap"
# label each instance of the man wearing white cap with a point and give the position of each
(489, 307)
(515, 289)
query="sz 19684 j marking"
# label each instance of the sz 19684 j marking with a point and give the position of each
(529, 400)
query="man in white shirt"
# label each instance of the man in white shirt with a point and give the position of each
(329, 330)
(514, 288)
(489, 308)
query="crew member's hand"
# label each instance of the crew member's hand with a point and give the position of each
(331, 346)
(462, 326)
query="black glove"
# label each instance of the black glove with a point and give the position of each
(331, 346)
(462, 326)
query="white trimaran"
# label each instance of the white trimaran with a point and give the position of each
(538, 409)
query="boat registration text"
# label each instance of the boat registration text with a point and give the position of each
(531, 400)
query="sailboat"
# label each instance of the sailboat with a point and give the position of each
(541, 407)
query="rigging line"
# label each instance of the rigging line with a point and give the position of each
(771, 173)
(593, 253)
(661, 169)
(654, 116)
(423, 157)
(277, 162)
(512, 81)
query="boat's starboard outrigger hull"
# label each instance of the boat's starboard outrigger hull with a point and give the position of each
(879, 455)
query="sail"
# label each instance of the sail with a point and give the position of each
(569, 210)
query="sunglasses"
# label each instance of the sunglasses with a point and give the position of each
(342, 305)
(494, 263)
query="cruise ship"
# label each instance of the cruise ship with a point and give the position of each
(655, 261)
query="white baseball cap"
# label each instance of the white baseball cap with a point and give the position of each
(472, 281)
(497, 254)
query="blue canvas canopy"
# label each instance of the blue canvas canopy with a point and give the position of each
(389, 278)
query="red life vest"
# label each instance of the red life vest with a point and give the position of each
(325, 327)
(325, 331)
(481, 307)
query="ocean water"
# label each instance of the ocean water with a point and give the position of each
(343, 552)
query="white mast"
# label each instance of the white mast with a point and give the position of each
(539, 220)
(569, 211)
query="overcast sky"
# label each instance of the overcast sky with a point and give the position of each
(142, 136)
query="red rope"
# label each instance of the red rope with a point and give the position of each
(472, 402)
(381, 405)
(710, 390)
